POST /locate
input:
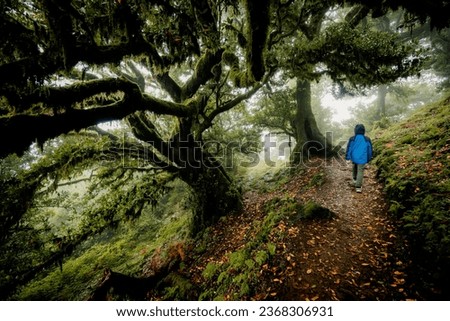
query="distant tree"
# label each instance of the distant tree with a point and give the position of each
(351, 53)
(436, 44)
(278, 107)
(401, 98)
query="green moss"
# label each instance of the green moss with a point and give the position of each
(237, 278)
(271, 248)
(180, 289)
(412, 159)
(262, 256)
(406, 139)
(210, 270)
(312, 210)
(317, 180)
(230, 59)
(125, 249)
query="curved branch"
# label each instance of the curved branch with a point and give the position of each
(232, 103)
(202, 73)
(143, 129)
(68, 95)
(137, 76)
(24, 129)
(39, 66)
(356, 14)
(105, 133)
(169, 85)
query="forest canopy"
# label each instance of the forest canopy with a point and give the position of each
(171, 72)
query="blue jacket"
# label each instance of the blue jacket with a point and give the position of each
(359, 147)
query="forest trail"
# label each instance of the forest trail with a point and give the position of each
(355, 255)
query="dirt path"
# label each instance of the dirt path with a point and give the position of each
(355, 255)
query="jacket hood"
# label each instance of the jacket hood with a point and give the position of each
(360, 129)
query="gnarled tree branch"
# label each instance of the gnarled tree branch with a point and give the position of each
(234, 102)
(24, 129)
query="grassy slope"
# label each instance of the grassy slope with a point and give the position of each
(413, 157)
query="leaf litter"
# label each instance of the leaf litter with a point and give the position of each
(358, 254)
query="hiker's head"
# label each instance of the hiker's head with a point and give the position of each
(360, 129)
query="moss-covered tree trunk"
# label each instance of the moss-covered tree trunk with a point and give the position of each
(215, 193)
(309, 139)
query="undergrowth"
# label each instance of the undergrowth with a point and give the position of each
(125, 249)
(237, 278)
(413, 157)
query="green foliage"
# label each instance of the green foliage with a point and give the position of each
(38, 41)
(233, 141)
(210, 270)
(400, 102)
(317, 180)
(439, 61)
(124, 249)
(277, 110)
(236, 278)
(413, 161)
(180, 289)
(384, 58)
(271, 248)
(264, 176)
(71, 191)
(282, 207)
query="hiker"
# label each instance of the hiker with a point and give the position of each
(359, 151)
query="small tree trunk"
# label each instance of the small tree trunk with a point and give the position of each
(381, 101)
(309, 140)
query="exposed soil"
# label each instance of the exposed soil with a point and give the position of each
(355, 255)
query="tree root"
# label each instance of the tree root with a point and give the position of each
(118, 286)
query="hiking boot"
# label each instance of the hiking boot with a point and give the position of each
(358, 190)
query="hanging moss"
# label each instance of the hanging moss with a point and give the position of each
(230, 59)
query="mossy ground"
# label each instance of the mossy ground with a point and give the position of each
(414, 163)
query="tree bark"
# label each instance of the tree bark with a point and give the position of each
(309, 139)
(258, 17)
(214, 191)
(215, 194)
(23, 129)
